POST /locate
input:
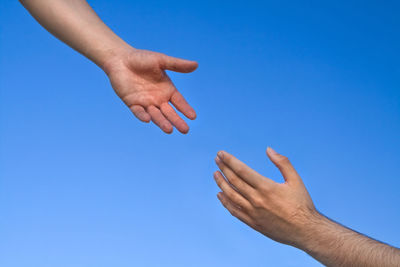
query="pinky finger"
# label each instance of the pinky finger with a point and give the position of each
(140, 113)
(233, 209)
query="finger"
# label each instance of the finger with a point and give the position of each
(249, 175)
(180, 103)
(140, 113)
(174, 118)
(285, 167)
(178, 64)
(158, 118)
(241, 186)
(234, 196)
(233, 209)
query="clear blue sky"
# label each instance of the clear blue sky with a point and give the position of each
(83, 183)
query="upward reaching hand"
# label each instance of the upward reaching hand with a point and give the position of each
(139, 79)
(286, 213)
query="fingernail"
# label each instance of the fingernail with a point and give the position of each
(272, 151)
(217, 160)
(215, 175)
(219, 195)
(220, 154)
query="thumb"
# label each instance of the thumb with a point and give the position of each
(285, 167)
(178, 64)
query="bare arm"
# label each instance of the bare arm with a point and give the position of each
(285, 213)
(75, 23)
(335, 245)
(137, 76)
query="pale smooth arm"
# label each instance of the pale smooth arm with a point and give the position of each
(285, 213)
(75, 23)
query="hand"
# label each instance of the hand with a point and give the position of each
(139, 79)
(282, 212)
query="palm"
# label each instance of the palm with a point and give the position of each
(141, 82)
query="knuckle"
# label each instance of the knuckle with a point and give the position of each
(257, 202)
(244, 207)
(221, 185)
(230, 194)
(252, 213)
(223, 201)
(237, 200)
(233, 212)
(241, 171)
(284, 160)
(266, 189)
(160, 58)
(257, 224)
(233, 180)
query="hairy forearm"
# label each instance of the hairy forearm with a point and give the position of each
(75, 23)
(335, 245)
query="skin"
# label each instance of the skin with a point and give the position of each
(138, 76)
(285, 213)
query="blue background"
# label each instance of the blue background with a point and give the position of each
(83, 183)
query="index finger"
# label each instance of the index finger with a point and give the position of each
(249, 175)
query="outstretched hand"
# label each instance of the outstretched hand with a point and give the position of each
(282, 211)
(139, 79)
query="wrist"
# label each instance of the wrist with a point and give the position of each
(114, 58)
(314, 224)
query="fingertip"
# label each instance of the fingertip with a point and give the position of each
(182, 127)
(189, 112)
(271, 151)
(271, 154)
(192, 115)
(221, 154)
(190, 66)
(184, 130)
(195, 65)
(168, 129)
(267, 151)
(146, 118)
(143, 119)
(140, 113)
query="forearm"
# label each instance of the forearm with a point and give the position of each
(335, 245)
(75, 23)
